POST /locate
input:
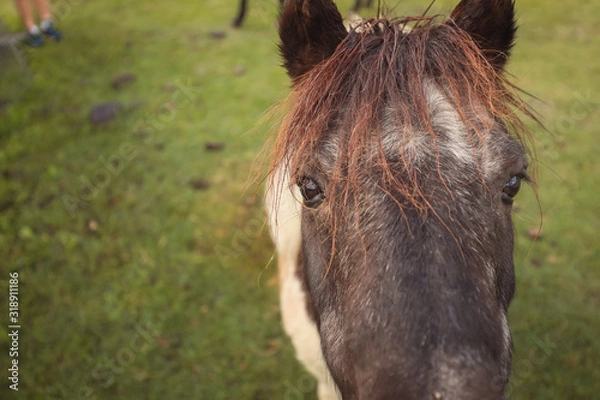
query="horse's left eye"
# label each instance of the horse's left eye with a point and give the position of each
(311, 192)
(511, 189)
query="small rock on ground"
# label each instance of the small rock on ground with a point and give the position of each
(217, 34)
(103, 113)
(122, 80)
(169, 87)
(214, 146)
(239, 70)
(3, 104)
(200, 184)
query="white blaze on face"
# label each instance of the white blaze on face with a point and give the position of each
(283, 210)
(445, 118)
(450, 136)
(284, 214)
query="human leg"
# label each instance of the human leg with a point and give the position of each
(34, 37)
(26, 13)
(43, 8)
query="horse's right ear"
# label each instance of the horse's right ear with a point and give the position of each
(310, 31)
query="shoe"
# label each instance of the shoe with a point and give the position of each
(52, 32)
(34, 39)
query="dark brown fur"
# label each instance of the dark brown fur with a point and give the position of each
(492, 27)
(407, 262)
(310, 35)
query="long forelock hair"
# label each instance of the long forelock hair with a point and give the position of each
(381, 65)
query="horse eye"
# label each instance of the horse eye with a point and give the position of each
(311, 192)
(511, 189)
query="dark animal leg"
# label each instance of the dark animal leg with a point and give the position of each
(239, 20)
(358, 4)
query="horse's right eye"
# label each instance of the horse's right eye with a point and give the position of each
(311, 192)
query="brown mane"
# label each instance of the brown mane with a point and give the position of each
(380, 65)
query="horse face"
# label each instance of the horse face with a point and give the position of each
(406, 174)
(410, 303)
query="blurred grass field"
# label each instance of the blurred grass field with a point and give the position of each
(145, 269)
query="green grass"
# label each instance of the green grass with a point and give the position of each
(171, 294)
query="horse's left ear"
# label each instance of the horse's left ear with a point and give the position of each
(310, 31)
(491, 23)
